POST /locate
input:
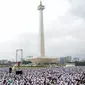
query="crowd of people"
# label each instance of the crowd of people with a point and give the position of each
(44, 76)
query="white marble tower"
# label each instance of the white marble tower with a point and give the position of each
(42, 48)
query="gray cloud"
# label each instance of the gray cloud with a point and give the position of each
(78, 8)
(66, 35)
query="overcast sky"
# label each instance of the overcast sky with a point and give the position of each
(64, 26)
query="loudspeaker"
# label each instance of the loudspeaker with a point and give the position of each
(10, 70)
(18, 72)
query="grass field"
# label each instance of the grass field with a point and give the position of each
(30, 67)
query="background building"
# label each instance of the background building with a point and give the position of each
(75, 59)
(68, 59)
(62, 60)
(3, 61)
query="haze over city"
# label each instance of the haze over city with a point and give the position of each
(63, 27)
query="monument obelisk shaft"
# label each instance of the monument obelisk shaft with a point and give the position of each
(42, 48)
